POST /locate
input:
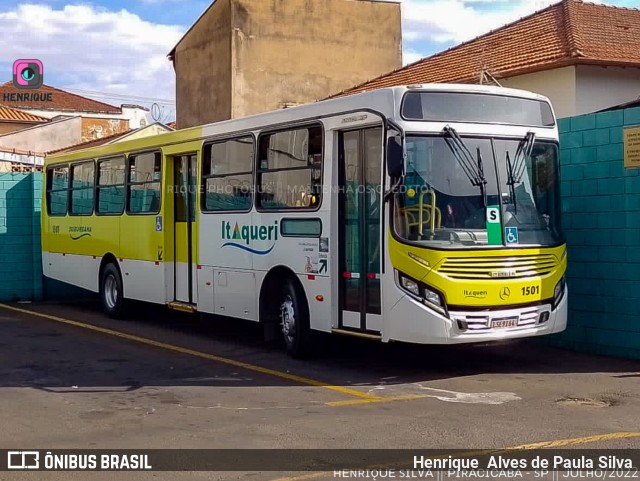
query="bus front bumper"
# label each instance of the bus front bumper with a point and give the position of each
(412, 321)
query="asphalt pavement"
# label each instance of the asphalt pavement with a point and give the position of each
(71, 378)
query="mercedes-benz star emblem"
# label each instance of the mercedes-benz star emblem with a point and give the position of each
(505, 293)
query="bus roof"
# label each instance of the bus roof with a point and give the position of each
(383, 100)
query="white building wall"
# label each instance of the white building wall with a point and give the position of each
(45, 137)
(7, 158)
(602, 87)
(137, 117)
(559, 85)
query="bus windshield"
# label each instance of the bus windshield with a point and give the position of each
(445, 197)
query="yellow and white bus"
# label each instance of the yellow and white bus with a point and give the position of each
(425, 214)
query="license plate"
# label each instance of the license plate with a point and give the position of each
(504, 323)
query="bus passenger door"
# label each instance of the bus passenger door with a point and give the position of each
(184, 201)
(360, 206)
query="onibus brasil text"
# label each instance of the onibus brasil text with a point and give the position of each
(80, 462)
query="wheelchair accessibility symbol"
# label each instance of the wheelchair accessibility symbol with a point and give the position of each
(511, 235)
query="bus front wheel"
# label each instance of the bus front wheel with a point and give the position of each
(111, 292)
(294, 320)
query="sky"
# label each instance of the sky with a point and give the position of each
(116, 50)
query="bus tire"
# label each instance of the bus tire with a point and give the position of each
(294, 320)
(111, 291)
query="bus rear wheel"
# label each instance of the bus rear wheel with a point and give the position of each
(111, 292)
(294, 320)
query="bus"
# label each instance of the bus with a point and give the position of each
(422, 214)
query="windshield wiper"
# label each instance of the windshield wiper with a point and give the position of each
(523, 151)
(516, 170)
(473, 168)
(512, 184)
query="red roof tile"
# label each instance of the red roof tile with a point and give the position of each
(567, 33)
(60, 100)
(7, 114)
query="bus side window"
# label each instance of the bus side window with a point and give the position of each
(82, 188)
(290, 169)
(110, 186)
(227, 175)
(57, 189)
(143, 196)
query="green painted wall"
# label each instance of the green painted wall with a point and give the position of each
(20, 248)
(20, 254)
(601, 218)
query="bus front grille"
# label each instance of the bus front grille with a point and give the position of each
(482, 322)
(498, 268)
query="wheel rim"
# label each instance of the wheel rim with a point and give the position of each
(110, 291)
(288, 319)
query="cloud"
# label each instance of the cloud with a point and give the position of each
(92, 48)
(456, 21)
(410, 56)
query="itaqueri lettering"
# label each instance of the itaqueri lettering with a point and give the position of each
(248, 232)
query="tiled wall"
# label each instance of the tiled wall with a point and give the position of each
(601, 218)
(20, 257)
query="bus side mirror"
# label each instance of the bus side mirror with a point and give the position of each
(395, 151)
(395, 157)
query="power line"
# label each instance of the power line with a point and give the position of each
(136, 98)
(132, 99)
(97, 92)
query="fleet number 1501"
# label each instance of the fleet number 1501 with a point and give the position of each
(530, 290)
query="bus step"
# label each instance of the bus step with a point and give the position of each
(365, 335)
(182, 306)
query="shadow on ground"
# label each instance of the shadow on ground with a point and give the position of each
(39, 352)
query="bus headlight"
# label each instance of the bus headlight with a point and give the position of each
(428, 295)
(432, 297)
(410, 285)
(558, 292)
